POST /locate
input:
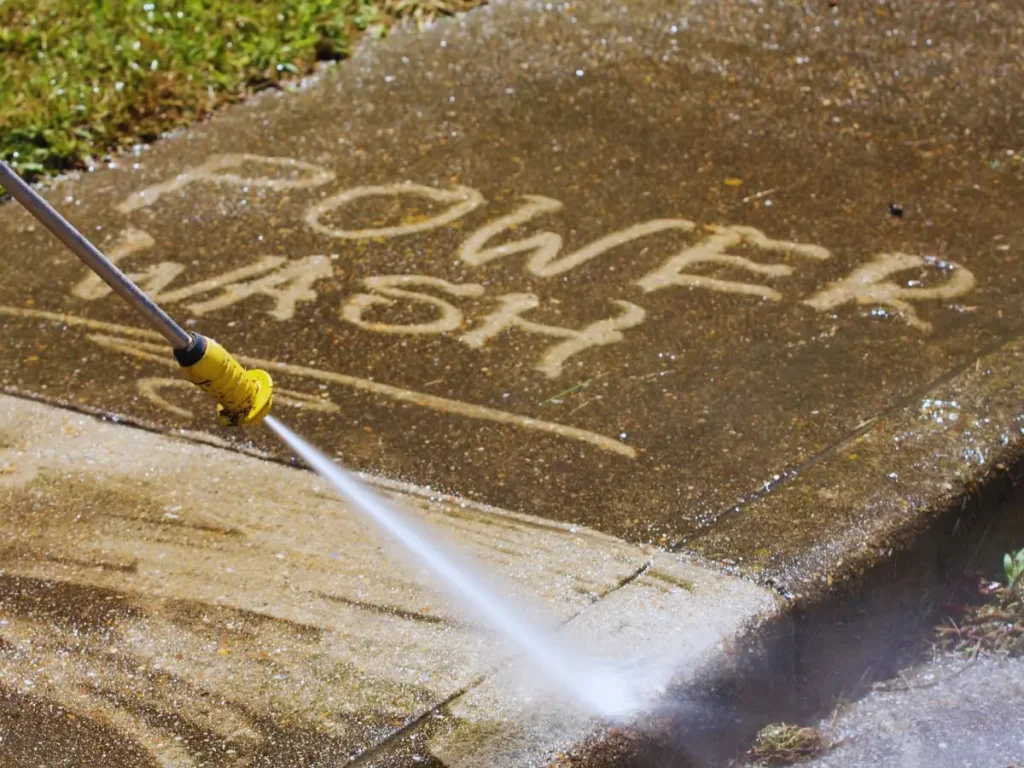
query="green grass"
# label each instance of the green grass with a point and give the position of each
(80, 78)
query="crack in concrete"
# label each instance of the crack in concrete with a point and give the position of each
(438, 709)
(388, 610)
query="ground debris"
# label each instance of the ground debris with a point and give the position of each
(991, 620)
(784, 744)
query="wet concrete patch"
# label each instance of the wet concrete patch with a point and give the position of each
(627, 267)
(502, 723)
(69, 737)
(178, 604)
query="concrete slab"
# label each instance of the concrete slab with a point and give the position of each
(164, 603)
(623, 265)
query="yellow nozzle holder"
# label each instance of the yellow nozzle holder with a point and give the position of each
(243, 397)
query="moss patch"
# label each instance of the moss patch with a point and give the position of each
(784, 744)
(668, 578)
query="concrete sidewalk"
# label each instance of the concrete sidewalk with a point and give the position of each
(738, 282)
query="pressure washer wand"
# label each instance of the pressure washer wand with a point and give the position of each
(243, 397)
(96, 261)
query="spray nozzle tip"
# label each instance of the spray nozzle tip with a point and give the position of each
(243, 397)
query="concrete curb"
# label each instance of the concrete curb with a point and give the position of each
(907, 468)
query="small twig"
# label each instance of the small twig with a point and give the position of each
(569, 391)
(759, 195)
(575, 388)
(864, 424)
(649, 375)
(582, 405)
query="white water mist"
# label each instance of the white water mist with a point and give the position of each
(598, 688)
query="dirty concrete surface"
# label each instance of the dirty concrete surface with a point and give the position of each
(738, 280)
(251, 619)
(584, 166)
